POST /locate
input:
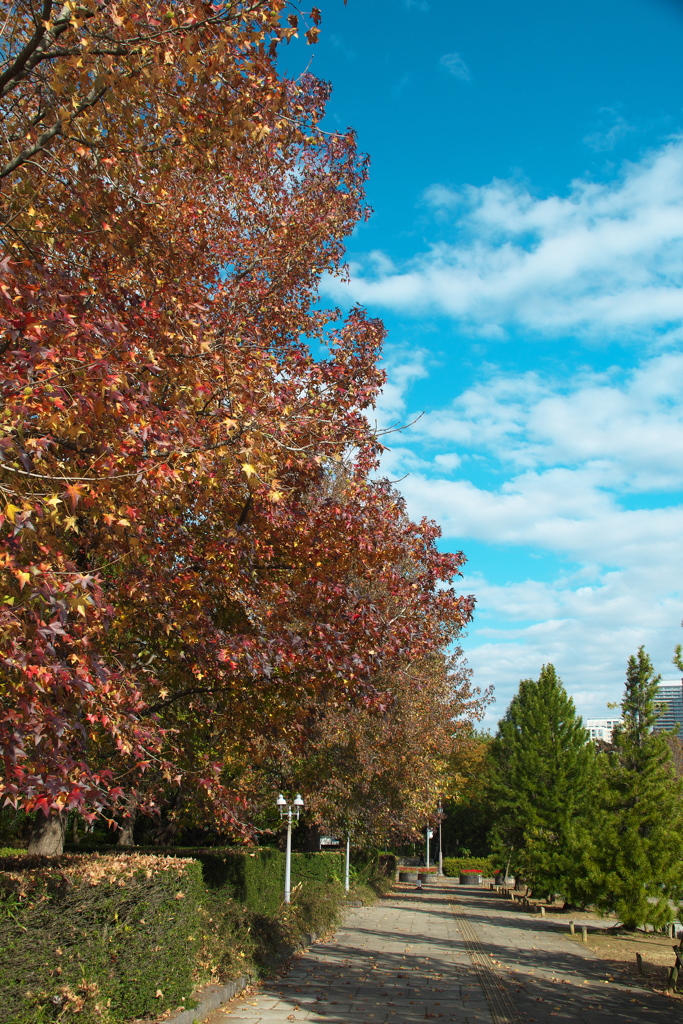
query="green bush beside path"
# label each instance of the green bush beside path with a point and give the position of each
(104, 938)
(452, 866)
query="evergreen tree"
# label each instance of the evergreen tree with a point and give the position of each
(641, 845)
(543, 785)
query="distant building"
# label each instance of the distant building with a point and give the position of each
(670, 699)
(670, 695)
(601, 728)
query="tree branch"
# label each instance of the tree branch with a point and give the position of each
(36, 48)
(194, 690)
(43, 140)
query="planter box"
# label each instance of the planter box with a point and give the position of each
(470, 877)
(407, 876)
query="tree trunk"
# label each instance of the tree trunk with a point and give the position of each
(311, 841)
(126, 831)
(47, 838)
(166, 833)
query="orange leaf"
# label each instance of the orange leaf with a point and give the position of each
(73, 493)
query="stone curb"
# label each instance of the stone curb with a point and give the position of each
(210, 998)
(213, 996)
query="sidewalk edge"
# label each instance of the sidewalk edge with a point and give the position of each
(213, 996)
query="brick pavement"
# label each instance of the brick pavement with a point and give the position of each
(398, 961)
(447, 954)
(552, 979)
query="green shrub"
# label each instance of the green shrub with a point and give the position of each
(452, 866)
(253, 878)
(315, 907)
(320, 868)
(102, 938)
(371, 865)
(95, 939)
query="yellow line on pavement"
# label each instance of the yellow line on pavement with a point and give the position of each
(501, 1006)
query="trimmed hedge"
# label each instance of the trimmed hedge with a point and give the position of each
(103, 938)
(253, 877)
(256, 878)
(452, 866)
(96, 939)
(367, 865)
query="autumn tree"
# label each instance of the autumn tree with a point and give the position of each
(470, 813)
(376, 772)
(371, 607)
(106, 442)
(375, 604)
(118, 80)
(172, 562)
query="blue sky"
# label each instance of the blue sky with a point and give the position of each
(526, 255)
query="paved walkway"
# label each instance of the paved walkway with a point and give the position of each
(447, 953)
(549, 977)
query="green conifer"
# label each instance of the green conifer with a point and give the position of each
(640, 850)
(543, 787)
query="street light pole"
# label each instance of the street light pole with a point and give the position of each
(348, 861)
(440, 847)
(281, 803)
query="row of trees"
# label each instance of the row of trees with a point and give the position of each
(207, 594)
(600, 827)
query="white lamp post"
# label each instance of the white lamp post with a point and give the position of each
(348, 861)
(441, 817)
(296, 805)
(429, 836)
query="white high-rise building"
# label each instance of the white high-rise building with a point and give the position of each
(670, 696)
(670, 699)
(601, 728)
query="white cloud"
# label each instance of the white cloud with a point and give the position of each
(454, 64)
(560, 511)
(448, 461)
(381, 263)
(567, 456)
(563, 462)
(605, 260)
(626, 428)
(588, 633)
(573, 484)
(612, 130)
(440, 197)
